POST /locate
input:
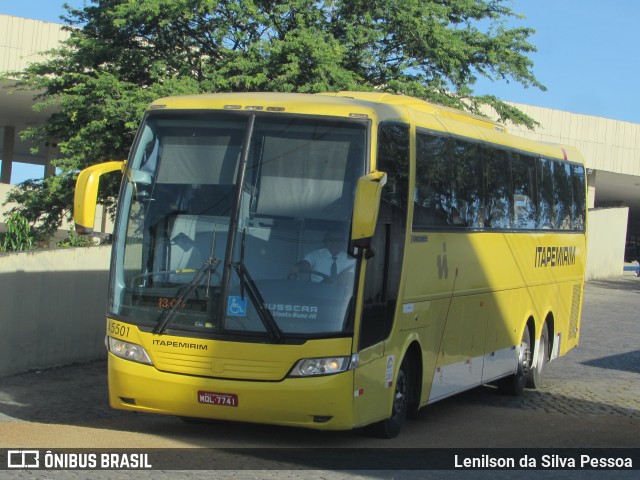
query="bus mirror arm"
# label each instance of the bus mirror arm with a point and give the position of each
(86, 194)
(370, 252)
(365, 210)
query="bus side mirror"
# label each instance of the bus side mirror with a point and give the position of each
(86, 194)
(365, 208)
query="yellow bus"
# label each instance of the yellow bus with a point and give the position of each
(334, 261)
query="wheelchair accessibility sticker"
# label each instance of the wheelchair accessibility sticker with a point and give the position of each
(236, 306)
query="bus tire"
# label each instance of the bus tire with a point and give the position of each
(536, 372)
(390, 427)
(514, 384)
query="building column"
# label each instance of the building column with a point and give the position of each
(52, 150)
(8, 144)
(591, 188)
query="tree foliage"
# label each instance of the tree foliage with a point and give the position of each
(122, 54)
(18, 236)
(75, 240)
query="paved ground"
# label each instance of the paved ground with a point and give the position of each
(591, 399)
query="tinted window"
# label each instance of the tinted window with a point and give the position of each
(524, 191)
(579, 205)
(497, 189)
(432, 194)
(393, 159)
(466, 184)
(466, 210)
(546, 219)
(562, 195)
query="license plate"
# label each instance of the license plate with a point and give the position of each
(221, 399)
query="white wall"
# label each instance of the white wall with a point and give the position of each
(52, 307)
(607, 229)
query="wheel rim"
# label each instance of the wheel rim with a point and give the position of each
(542, 355)
(524, 361)
(400, 395)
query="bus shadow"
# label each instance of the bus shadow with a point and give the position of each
(626, 362)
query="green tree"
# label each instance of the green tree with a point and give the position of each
(122, 54)
(18, 235)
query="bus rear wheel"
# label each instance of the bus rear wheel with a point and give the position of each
(514, 384)
(536, 373)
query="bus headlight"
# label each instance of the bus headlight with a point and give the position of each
(309, 367)
(128, 351)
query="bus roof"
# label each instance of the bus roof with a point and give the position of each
(297, 103)
(337, 103)
(421, 106)
(377, 106)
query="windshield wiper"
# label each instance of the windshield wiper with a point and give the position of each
(247, 283)
(258, 302)
(207, 268)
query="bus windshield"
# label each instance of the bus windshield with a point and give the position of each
(238, 225)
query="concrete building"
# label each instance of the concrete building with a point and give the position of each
(22, 42)
(611, 148)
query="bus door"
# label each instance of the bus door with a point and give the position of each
(374, 379)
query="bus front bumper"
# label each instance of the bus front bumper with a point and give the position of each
(323, 402)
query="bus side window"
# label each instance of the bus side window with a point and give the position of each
(466, 210)
(579, 205)
(523, 173)
(432, 193)
(497, 189)
(562, 195)
(546, 218)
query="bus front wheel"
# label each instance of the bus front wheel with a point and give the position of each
(390, 427)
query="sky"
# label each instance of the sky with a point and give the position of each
(587, 53)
